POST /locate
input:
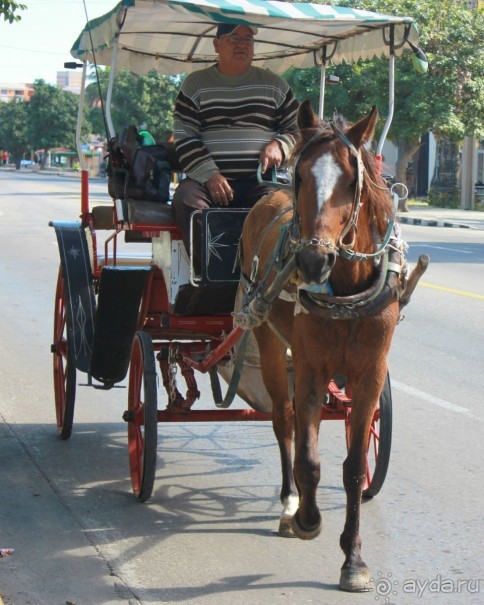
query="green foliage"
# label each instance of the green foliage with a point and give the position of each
(49, 119)
(8, 9)
(449, 99)
(444, 199)
(52, 116)
(147, 100)
(13, 129)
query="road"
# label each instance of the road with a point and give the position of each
(207, 536)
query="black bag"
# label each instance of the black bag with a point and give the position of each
(137, 172)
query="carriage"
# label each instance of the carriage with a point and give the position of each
(144, 315)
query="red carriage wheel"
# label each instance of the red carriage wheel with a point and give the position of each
(64, 366)
(142, 417)
(379, 443)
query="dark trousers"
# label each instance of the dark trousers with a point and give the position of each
(190, 196)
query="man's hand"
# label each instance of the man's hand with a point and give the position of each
(271, 155)
(219, 190)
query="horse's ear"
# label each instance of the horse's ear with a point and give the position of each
(362, 132)
(306, 118)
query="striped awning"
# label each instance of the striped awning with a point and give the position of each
(174, 36)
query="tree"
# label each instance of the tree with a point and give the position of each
(448, 100)
(147, 99)
(8, 9)
(13, 129)
(52, 117)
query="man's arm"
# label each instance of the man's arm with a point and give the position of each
(193, 156)
(274, 153)
(287, 122)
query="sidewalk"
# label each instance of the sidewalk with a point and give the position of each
(442, 217)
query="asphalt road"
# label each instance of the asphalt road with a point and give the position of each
(208, 535)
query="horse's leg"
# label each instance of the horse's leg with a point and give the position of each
(310, 388)
(355, 576)
(274, 373)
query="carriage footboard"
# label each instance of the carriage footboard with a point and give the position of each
(120, 292)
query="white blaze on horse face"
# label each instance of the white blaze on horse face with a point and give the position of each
(326, 174)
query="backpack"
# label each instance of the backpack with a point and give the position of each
(137, 172)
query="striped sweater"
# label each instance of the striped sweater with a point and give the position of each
(223, 122)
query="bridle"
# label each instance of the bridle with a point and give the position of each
(260, 292)
(344, 250)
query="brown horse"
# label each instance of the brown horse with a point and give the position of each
(337, 311)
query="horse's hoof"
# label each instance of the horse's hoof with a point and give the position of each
(285, 528)
(355, 579)
(305, 533)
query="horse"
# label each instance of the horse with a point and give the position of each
(322, 273)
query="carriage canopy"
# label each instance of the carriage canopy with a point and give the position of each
(175, 36)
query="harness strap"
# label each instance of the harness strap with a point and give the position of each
(357, 256)
(236, 374)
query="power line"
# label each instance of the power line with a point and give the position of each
(34, 50)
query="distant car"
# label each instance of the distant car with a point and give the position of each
(26, 163)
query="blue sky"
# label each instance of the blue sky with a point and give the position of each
(38, 45)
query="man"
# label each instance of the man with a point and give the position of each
(228, 118)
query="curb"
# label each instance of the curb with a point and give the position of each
(406, 220)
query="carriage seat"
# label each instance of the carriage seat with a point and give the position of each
(137, 212)
(141, 212)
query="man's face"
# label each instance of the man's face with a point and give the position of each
(235, 51)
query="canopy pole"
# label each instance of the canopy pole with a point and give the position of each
(109, 94)
(322, 88)
(391, 99)
(322, 80)
(81, 156)
(80, 114)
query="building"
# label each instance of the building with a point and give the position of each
(70, 81)
(67, 80)
(16, 92)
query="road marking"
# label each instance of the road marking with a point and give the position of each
(452, 290)
(441, 403)
(449, 249)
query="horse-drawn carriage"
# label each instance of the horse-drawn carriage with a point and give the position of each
(125, 314)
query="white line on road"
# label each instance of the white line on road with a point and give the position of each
(447, 248)
(441, 403)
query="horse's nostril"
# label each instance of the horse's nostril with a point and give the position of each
(313, 265)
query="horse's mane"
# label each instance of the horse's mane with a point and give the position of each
(376, 197)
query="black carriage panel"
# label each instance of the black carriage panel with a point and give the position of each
(79, 293)
(215, 282)
(120, 293)
(221, 231)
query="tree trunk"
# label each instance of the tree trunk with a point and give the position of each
(43, 162)
(406, 151)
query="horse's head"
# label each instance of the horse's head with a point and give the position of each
(328, 177)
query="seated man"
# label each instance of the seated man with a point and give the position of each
(229, 118)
